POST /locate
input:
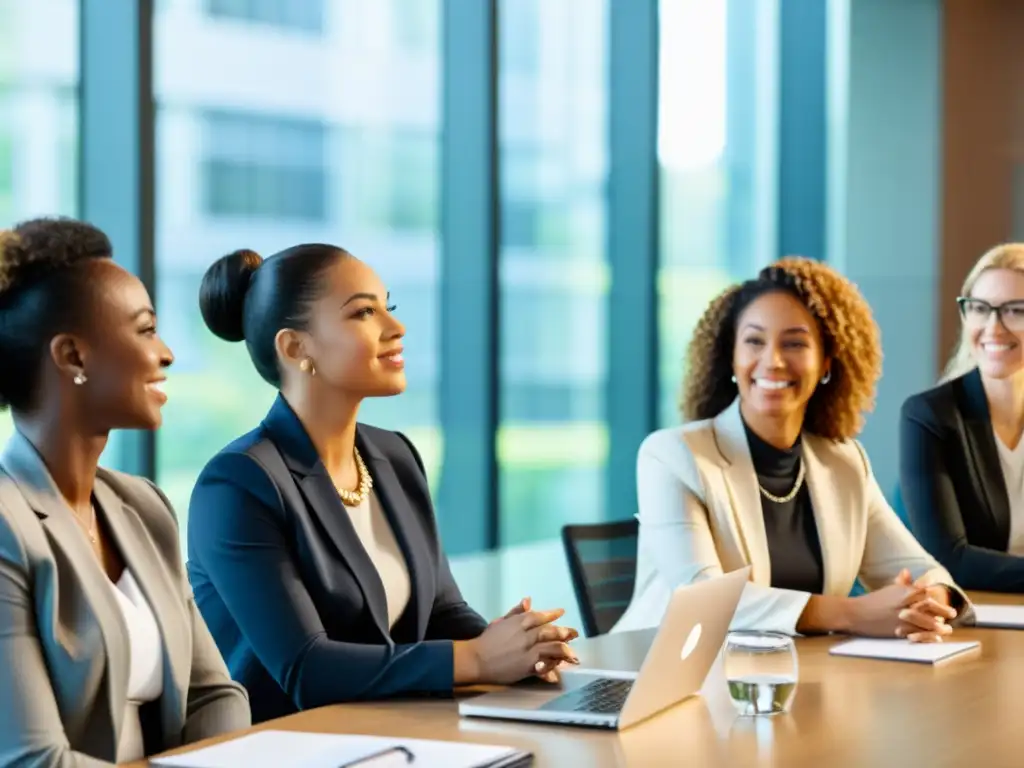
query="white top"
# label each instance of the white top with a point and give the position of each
(378, 540)
(146, 670)
(1012, 463)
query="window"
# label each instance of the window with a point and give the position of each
(350, 159)
(7, 196)
(413, 166)
(262, 166)
(714, 160)
(552, 437)
(38, 114)
(415, 24)
(300, 15)
(521, 208)
(67, 149)
(520, 36)
(400, 188)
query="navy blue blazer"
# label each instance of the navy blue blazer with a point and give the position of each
(293, 601)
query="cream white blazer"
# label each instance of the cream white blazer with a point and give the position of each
(700, 516)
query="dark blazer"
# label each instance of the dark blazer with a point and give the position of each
(291, 597)
(64, 655)
(953, 487)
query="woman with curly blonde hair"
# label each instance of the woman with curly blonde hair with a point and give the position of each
(767, 473)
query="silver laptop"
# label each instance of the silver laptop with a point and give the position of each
(673, 667)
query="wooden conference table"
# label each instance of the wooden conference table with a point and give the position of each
(847, 712)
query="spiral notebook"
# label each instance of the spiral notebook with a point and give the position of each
(272, 749)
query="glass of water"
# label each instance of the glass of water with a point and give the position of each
(762, 672)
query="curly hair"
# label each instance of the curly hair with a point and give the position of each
(850, 334)
(41, 295)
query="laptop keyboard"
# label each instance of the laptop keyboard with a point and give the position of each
(600, 697)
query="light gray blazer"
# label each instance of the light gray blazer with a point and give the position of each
(64, 654)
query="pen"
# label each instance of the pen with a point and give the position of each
(409, 756)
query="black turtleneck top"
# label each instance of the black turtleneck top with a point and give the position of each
(793, 544)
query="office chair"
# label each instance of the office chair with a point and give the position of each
(602, 565)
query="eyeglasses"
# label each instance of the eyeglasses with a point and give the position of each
(976, 312)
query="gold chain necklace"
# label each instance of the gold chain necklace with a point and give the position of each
(789, 496)
(358, 496)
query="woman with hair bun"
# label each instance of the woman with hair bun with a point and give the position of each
(313, 548)
(768, 473)
(103, 656)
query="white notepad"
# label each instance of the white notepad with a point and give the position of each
(1001, 616)
(902, 650)
(273, 749)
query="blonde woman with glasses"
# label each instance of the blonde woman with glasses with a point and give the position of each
(961, 452)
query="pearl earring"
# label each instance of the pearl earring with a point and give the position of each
(827, 377)
(734, 378)
(80, 378)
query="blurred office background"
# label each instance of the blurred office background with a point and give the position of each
(551, 189)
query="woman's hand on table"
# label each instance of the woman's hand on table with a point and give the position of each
(545, 670)
(521, 643)
(926, 619)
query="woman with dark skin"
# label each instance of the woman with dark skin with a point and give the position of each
(103, 656)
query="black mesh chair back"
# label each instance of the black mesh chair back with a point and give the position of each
(602, 565)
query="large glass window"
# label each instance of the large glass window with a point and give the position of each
(715, 150)
(299, 15)
(552, 438)
(255, 166)
(38, 113)
(266, 139)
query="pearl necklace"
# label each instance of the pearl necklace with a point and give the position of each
(358, 496)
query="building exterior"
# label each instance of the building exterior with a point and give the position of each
(288, 121)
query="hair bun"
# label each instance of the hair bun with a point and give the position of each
(223, 290)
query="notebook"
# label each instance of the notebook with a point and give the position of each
(272, 749)
(999, 616)
(902, 650)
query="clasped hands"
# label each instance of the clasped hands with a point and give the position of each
(911, 610)
(520, 644)
(551, 641)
